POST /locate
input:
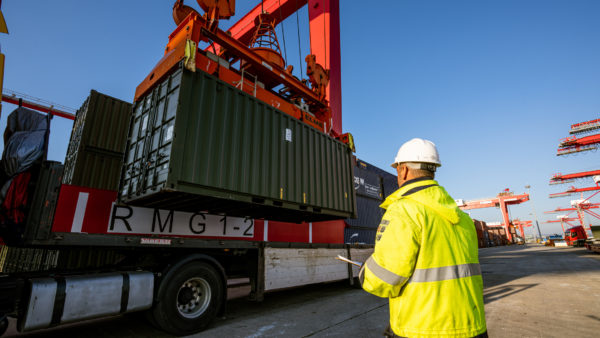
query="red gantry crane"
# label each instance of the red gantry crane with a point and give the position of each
(520, 225)
(560, 178)
(502, 201)
(574, 144)
(562, 219)
(580, 206)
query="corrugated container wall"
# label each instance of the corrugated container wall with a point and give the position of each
(359, 236)
(43, 201)
(482, 233)
(370, 191)
(97, 143)
(199, 144)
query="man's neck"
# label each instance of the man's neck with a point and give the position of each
(415, 179)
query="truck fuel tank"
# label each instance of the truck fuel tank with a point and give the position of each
(62, 300)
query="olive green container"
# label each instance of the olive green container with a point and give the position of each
(199, 144)
(98, 140)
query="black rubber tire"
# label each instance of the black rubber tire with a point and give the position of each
(165, 312)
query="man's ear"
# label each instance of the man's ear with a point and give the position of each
(404, 172)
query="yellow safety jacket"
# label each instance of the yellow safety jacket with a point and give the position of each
(426, 262)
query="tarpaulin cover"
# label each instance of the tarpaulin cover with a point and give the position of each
(24, 140)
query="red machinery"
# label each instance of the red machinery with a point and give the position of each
(502, 201)
(560, 178)
(562, 219)
(581, 207)
(252, 42)
(574, 190)
(520, 225)
(574, 144)
(585, 127)
(26, 101)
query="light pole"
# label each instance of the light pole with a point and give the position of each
(537, 224)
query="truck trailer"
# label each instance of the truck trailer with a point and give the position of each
(79, 253)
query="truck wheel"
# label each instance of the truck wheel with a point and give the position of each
(191, 299)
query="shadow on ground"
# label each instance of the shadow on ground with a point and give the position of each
(501, 265)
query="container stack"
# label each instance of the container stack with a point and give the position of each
(482, 233)
(488, 236)
(371, 185)
(98, 139)
(497, 236)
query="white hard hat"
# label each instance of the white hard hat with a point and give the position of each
(418, 150)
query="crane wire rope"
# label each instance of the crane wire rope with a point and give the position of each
(299, 42)
(282, 33)
(325, 63)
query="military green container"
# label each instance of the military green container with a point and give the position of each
(199, 144)
(43, 201)
(98, 140)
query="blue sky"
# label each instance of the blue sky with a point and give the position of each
(495, 84)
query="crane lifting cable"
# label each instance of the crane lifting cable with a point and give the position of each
(282, 35)
(299, 41)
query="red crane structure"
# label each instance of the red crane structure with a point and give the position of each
(574, 190)
(521, 225)
(581, 207)
(262, 73)
(562, 219)
(502, 201)
(24, 100)
(574, 144)
(568, 178)
(585, 127)
(560, 178)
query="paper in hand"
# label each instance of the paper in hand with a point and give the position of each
(344, 259)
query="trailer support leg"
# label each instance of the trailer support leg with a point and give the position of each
(350, 275)
(257, 277)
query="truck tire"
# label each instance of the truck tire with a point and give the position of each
(191, 298)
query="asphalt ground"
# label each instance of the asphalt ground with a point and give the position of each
(530, 291)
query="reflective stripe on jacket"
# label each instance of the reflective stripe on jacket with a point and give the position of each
(426, 262)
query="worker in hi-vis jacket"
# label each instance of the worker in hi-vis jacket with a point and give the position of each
(426, 257)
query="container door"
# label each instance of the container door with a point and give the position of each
(152, 134)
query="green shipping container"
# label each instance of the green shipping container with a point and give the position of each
(98, 142)
(198, 144)
(43, 201)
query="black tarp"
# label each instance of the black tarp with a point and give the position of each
(24, 140)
